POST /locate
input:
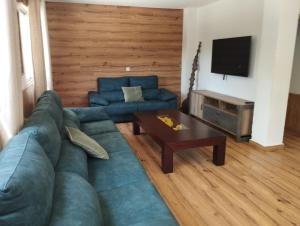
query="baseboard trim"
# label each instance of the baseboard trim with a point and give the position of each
(267, 148)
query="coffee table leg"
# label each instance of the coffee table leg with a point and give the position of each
(167, 159)
(136, 128)
(219, 154)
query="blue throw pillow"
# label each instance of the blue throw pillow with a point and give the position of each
(96, 98)
(166, 95)
(151, 94)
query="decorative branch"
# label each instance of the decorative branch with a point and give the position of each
(194, 69)
(186, 103)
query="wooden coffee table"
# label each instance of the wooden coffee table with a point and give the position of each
(194, 134)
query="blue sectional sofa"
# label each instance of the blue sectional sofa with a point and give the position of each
(46, 180)
(110, 96)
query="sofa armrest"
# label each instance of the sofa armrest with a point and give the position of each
(90, 114)
(166, 95)
(95, 98)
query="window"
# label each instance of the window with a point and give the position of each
(25, 45)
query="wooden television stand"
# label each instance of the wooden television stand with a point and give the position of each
(230, 114)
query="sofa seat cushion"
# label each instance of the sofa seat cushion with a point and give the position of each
(72, 159)
(152, 106)
(119, 108)
(165, 221)
(135, 204)
(146, 82)
(75, 202)
(43, 128)
(122, 118)
(121, 169)
(94, 128)
(26, 183)
(112, 142)
(112, 84)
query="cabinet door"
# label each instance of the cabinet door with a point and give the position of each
(196, 104)
(220, 119)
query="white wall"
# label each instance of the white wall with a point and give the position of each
(279, 32)
(189, 47)
(223, 19)
(46, 46)
(272, 24)
(11, 100)
(226, 19)
(295, 82)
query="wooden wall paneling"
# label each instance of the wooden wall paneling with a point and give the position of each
(91, 41)
(293, 113)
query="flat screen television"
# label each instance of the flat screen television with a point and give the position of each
(231, 56)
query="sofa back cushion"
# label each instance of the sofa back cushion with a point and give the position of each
(71, 119)
(48, 105)
(146, 82)
(51, 95)
(90, 114)
(72, 159)
(26, 183)
(112, 84)
(43, 128)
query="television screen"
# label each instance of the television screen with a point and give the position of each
(231, 56)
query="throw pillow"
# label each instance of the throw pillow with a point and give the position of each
(84, 141)
(133, 94)
(151, 94)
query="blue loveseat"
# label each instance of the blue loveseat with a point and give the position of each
(46, 180)
(110, 96)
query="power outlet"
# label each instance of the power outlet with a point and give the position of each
(128, 69)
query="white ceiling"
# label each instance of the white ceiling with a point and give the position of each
(177, 4)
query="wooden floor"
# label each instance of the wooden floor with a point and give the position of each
(254, 187)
